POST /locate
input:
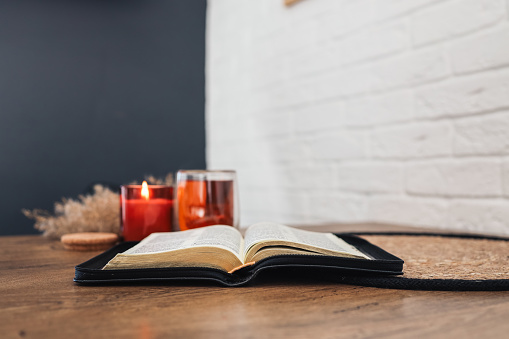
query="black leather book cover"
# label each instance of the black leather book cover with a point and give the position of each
(321, 266)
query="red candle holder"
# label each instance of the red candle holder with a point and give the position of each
(145, 209)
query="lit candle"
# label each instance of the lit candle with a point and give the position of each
(145, 209)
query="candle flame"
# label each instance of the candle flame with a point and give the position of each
(144, 190)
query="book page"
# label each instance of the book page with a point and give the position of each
(267, 231)
(225, 237)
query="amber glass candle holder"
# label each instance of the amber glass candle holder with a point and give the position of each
(145, 209)
(207, 198)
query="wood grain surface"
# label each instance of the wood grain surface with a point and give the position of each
(39, 300)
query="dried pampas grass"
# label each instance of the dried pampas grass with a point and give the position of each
(99, 212)
(168, 180)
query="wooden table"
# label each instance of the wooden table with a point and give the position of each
(39, 300)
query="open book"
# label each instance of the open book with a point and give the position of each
(224, 248)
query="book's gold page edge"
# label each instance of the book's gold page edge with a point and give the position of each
(211, 257)
(267, 252)
(295, 248)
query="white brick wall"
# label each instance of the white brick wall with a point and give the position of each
(362, 111)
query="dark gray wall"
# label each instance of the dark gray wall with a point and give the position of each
(96, 90)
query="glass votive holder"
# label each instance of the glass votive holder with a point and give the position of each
(207, 197)
(145, 209)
